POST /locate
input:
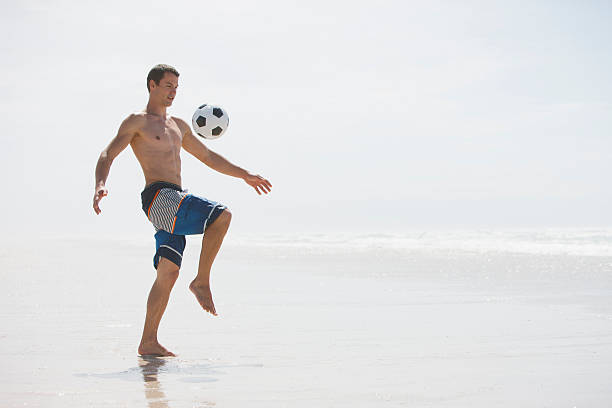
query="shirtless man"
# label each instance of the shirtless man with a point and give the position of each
(156, 140)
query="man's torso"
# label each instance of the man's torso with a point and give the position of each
(157, 146)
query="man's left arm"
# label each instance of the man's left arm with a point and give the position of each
(219, 163)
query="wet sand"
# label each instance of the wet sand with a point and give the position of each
(306, 325)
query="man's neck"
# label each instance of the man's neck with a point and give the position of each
(155, 109)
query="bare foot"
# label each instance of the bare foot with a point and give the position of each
(154, 349)
(204, 296)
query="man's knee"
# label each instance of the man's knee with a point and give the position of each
(167, 272)
(224, 218)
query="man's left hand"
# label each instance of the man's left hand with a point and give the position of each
(260, 184)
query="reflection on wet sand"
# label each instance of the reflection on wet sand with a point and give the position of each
(151, 367)
(174, 371)
(154, 393)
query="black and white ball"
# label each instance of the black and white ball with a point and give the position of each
(210, 121)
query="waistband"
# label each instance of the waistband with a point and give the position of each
(148, 194)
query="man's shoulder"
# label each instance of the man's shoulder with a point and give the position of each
(133, 120)
(184, 126)
(179, 121)
(136, 117)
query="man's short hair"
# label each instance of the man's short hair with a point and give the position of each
(157, 73)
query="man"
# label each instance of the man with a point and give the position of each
(156, 140)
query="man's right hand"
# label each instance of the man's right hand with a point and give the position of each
(100, 192)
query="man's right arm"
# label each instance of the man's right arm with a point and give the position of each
(126, 133)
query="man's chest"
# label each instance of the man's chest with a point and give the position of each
(161, 133)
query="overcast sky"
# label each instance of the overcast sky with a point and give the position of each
(366, 116)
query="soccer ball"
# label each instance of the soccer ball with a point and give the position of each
(210, 121)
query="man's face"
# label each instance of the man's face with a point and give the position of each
(166, 90)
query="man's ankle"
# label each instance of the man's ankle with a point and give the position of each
(201, 282)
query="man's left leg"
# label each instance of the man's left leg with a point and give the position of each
(211, 242)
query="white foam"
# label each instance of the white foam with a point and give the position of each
(582, 242)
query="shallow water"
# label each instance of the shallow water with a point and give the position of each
(371, 320)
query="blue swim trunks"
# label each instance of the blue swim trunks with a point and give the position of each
(174, 213)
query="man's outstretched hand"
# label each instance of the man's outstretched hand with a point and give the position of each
(260, 184)
(100, 192)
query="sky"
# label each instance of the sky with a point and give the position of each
(365, 116)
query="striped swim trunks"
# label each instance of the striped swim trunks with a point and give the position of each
(175, 213)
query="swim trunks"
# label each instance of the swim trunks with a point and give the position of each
(175, 213)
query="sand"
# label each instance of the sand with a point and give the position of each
(429, 320)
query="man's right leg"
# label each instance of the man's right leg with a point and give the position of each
(167, 273)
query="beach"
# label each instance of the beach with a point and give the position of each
(425, 318)
(438, 233)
